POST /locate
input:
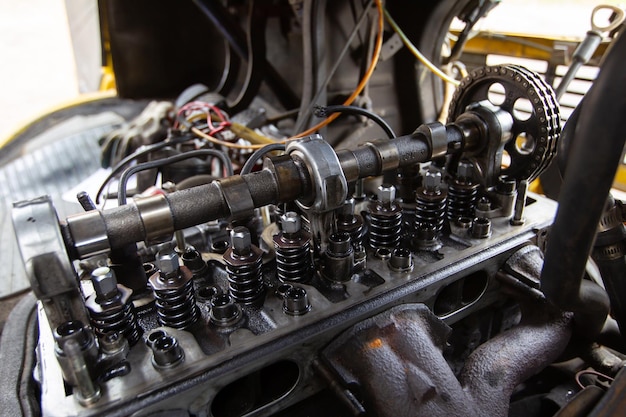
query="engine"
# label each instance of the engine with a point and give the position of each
(257, 274)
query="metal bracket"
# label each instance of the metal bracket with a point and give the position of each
(48, 267)
(329, 182)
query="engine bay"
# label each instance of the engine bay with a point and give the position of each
(276, 241)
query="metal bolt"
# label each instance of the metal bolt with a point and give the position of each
(87, 392)
(432, 180)
(104, 282)
(85, 201)
(465, 170)
(240, 240)
(167, 261)
(290, 222)
(386, 193)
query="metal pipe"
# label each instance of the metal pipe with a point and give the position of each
(584, 193)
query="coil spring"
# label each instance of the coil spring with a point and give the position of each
(430, 209)
(462, 200)
(176, 307)
(385, 229)
(355, 229)
(117, 319)
(293, 264)
(245, 281)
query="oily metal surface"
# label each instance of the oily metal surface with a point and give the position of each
(534, 136)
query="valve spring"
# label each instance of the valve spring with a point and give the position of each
(355, 229)
(293, 264)
(176, 307)
(462, 200)
(385, 229)
(120, 319)
(430, 209)
(245, 281)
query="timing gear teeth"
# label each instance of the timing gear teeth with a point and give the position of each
(542, 129)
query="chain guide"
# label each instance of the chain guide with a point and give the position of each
(533, 106)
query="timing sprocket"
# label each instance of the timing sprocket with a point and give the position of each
(533, 106)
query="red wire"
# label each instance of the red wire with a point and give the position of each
(208, 108)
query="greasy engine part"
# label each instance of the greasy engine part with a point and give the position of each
(528, 106)
(258, 329)
(407, 341)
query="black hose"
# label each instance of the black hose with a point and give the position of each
(599, 140)
(566, 141)
(325, 111)
(121, 192)
(258, 154)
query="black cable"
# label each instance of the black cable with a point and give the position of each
(325, 111)
(258, 154)
(121, 191)
(145, 151)
(322, 88)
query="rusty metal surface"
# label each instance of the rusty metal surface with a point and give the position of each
(395, 365)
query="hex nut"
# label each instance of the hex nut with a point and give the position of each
(432, 180)
(167, 261)
(290, 222)
(465, 170)
(386, 193)
(240, 240)
(104, 282)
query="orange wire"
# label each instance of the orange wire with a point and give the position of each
(364, 80)
(331, 118)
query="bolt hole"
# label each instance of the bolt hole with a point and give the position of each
(221, 300)
(522, 109)
(154, 336)
(219, 246)
(69, 328)
(164, 343)
(496, 94)
(524, 143)
(506, 160)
